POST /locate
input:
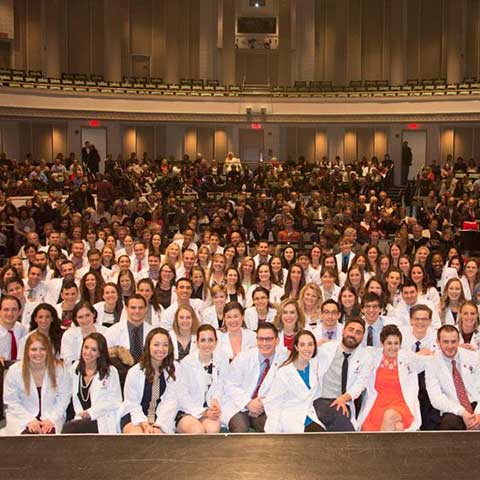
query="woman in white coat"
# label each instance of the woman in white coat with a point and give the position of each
(84, 318)
(233, 338)
(45, 320)
(264, 278)
(213, 315)
(109, 310)
(468, 326)
(391, 402)
(184, 332)
(289, 403)
(261, 311)
(96, 391)
(470, 278)
(200, 385)
(150, 393)
(37, 390)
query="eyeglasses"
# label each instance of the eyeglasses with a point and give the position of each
(265, 339)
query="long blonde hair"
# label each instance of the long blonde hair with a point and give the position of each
(278, 321)
(317, 308)
(51, 363)
(445, 300)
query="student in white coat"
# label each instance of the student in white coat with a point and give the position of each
(452, 299)
(345, 258)
(184, 289)
(344, 369)
(264, 278)
(248, 380)
(261, 311)
(233, 338)
(44, 319)
(109, 310)
(213, 315)
(289, 403)
(328, 328)
(11, 331)
(468, 326)
(150, 393)
(84, 323)
(391, 401)
(184, 332)
(400, 315)
(96, 391)
(201, 385)
(37, 390)
(453, 382)
(15, 286)
(132, 333)
(470, 278)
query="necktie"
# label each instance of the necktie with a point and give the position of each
(136, 349)
(13, 347)
(345, 264)
(370, 336)
(417, 345)
(330, 335)
(262, 378)
(139, 266)
(460, 388)
(345, 371)
(187, 274)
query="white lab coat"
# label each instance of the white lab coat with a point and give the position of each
(209, 317)
(339, 260)
(106, 399)
(193, 345)
(19, 331)
(169, 313)
(193, 383)
(27, 311)
(290, 401)
(275, 297)
(156, 316)
(319, 329)
(241, 380)
(23, 408)
(359, 367)
(400, 315)
(117, 335)
(133, 393)
(251, 317)
(409, 366)
(224, 347)
(100, 308)
(72, 341)
(439, 381)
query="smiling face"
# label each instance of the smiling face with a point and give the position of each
(391, 346)
(305, 347)
(233, 320)
(289, 316)
(44, 320)
(158, 347)
(454, 290)
(449, 342)
(37, 354)
(184, 319)
(469, 318)
(206, 342)
(90, 351)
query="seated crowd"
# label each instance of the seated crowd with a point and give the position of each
(299, 298)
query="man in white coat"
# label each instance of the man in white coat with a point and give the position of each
(248, 381)
(400, 315)
(453, 382)
(344, 369)
(184, 289)
(421, 338)
(132, 333)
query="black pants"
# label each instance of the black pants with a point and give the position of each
(83, 425)
(430, 415)
(314, 428)
(450, 421)
(241, 422)
(334, 421)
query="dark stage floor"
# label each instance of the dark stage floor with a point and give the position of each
(439, 456)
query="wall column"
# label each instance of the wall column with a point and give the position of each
(285, 45)
(228, 42)
(455, 11)
(113, 43)
(397, 29)
(51, 59)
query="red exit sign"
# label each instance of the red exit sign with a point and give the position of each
(256, 126)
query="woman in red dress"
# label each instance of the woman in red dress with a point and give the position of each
(391, 402)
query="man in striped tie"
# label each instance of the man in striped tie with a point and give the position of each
(453, 382)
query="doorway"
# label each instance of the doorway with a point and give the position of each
(417, 141)
(98, 137)
(251, 145)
